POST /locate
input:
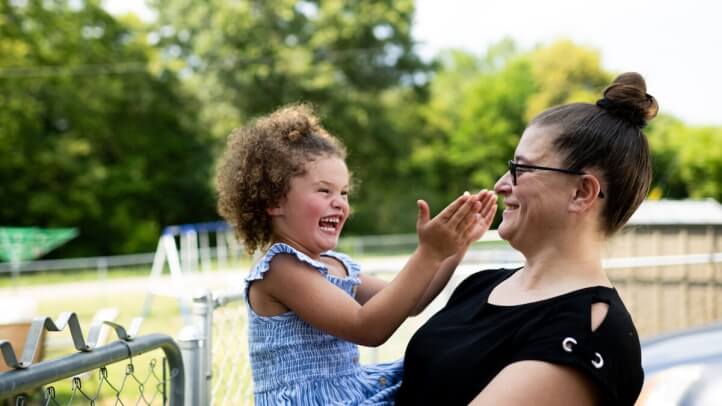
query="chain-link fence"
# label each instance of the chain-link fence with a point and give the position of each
(145, 370)
(116, 384)
(232, 383)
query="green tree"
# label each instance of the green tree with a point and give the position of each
(479, 107)
(701, 161)
(475, 116)
(565, 73)
(685, 160)
(91, 136)
(663, 134)
(354, 60)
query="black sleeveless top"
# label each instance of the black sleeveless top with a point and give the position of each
(465, 345)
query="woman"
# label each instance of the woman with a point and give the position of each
(553, 332)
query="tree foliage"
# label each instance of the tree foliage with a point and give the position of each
(90, 136)
(565, 73)
(113, 126)
(687, 160)
(354, 60)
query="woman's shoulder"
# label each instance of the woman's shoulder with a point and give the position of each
(573, 313)
(609, 354)
(578, 305)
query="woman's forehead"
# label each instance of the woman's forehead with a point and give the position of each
(535, 144)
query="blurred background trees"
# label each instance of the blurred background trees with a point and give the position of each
(113, 125)
(94, 132)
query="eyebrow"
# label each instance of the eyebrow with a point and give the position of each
(327, 183)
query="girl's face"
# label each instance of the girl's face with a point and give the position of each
(536, 206)
(311, 216)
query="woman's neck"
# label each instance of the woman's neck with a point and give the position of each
(574, 259)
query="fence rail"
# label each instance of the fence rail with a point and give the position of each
(24, 380)
(25, 376)
(354, 244)
(81, 263)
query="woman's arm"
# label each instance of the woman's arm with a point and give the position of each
(538, 383)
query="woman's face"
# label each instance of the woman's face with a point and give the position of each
(537, 205)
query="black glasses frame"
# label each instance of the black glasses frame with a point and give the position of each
(513, 166)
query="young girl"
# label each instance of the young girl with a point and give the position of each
(283, 185)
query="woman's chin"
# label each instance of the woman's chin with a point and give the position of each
(504, 231)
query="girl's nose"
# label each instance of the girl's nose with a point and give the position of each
(339, 201)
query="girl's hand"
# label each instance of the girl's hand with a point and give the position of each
(460, 223)
(488, 210)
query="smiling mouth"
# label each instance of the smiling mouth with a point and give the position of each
(330, 224)
(510, 206)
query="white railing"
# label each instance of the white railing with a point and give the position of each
(357, 245)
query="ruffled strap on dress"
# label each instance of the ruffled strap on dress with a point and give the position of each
(264, 264)
(352, 267)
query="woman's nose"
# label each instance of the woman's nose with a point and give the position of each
(503, 185)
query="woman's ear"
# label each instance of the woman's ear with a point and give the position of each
(587, 192)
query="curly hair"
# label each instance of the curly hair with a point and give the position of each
(259, 161)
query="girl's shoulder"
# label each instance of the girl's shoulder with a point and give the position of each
(264, 263)
(353, 269)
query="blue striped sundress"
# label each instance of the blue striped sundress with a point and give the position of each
(294, 363)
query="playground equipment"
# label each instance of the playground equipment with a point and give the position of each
(199, 244)
(18, 244)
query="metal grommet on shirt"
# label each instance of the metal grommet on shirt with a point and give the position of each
(567, 343)
(382, 381)
(599, 362)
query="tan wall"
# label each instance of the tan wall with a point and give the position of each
(16, 333)
(668, 298)
(665, 240)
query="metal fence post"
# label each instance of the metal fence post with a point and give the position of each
(102, 267)
(189, 341)
(202, 315)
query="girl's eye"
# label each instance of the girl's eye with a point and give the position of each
(323, 190)
(344, 193)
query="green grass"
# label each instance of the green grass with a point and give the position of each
(40, 278)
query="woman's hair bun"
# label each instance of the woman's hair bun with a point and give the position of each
(628, 99)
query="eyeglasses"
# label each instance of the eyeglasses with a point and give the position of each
(514, 167)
